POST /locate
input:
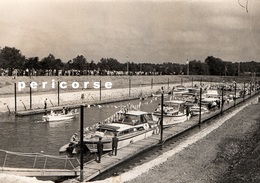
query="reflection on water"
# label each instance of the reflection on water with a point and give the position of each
(31, 134)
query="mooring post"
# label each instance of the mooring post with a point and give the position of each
(151, 83)
(161, 121)
(81, 141)
(222, 100)
(15, 100)
(250, 89)
(168, 83)
(100, 90)
(30, 96)
(200, 106)
(129, 87)
(58, 93)
(235, 96)
(244, 92)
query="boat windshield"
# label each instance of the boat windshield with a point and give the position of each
(131, 119)
(172, 106)
(106, 132)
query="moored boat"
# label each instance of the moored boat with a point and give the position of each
(173, 112)
(52, 117)
(195, 110)
(131, 127)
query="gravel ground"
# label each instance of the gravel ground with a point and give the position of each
(230, 153)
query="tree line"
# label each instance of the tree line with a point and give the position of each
(13, 62)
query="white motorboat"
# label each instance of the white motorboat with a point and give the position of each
(173, 112)
(179, 90)
(58, 116)
(195, 110)
(130, 127)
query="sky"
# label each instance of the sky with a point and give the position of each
(151, 31)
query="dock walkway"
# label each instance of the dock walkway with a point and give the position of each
(93, 169)
(72, 106)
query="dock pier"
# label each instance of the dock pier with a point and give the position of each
(92, 169)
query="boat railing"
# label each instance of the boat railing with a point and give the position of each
(44, 157)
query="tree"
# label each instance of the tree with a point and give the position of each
(79, 63)
(32, 64)
(51, 64)
(11, 58)
(216, 65)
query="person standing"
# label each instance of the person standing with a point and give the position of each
(45, 103)
(99, 149)
(114, 144)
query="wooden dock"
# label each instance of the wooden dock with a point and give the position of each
(72, 106)
(93, 169)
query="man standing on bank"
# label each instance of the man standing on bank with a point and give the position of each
(99, 149)
(114, 144)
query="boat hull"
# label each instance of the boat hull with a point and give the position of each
(122, 141)
(170, 119)
(50, 118)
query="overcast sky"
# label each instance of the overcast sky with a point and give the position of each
(147, 31)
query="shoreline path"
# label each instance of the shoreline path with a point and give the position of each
(70, 98)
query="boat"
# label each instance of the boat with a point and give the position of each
(195, 110)
(173, 112)
(179, 90)
(52, 117)
(130, 127)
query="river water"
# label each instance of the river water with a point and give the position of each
(29, 134)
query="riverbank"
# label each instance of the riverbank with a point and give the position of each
(123, 87)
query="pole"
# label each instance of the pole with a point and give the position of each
(192, 81)
(161, 121)
(235, 95)
(129, 87)
(188, 68)
(58, 93)
(222, 99)
(15, 100)
(30, 96)
(200, 106)
(151, 83)
(250, 88)
(168, 84)
(81, 141)
(244, 92)
(100, 91)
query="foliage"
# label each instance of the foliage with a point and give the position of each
(13, 62)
